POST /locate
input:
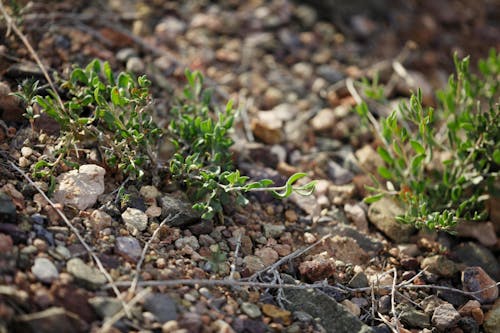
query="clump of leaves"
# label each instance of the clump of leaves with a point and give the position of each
(108, 109)
(442, 164)
(203, 162)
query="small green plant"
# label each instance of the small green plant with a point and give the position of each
(442, 164)
(28, 93)
(203, 162)
(109, 109)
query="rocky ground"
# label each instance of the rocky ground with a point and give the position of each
(343, 266)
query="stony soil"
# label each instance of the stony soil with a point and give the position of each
(344, 266)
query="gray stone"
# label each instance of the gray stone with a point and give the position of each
(80, 188)
(7, 209)
(135, 218)
(192, 241)
(128, 247)
(44, 270)
(333, 316)
(414, 318)
(87, 276)
(184, 214)
(49, 321)
(368, 243)
(475, 279)
(445, 316)
(473, 254)
(383, 214)
(105, 307)
(273, 230)
(162, 306)
(359, 280)
(329, 73)
(338, 174)
(440, 265)
(250, 309)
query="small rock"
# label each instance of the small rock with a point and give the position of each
(268, 255)
(357, 215)
(26, 152)
(6, 243)
(135, 65)
(277, 314)
(52, 320)
(475, 279)
(202, 228)
(129, 248)
(484, 232)
(359, 280)
(445, 316)
(338, 174)
(329, 73)
(347, 250)
(324, 120)
(492, 319)
(473, 254)
(368, 243)
(89, 277)
(268, 128)
(250, 309)
(309, 238)
(149, 193)
(272, 97)
(440, 265)
(105, 307)
(383, 214)
(100, 220)
(135, 218)
(317, 269)
(253, 264)
(125, 54)
(303, 70)
(184, 214)
(369, 159)
(470, 309)
(169, 28)
(351, 307)
(192, 241)
(44, 270)
(410, 250)
(414, 318)
(7, 209)
(80, 187)
(162, 306)
(273, 230)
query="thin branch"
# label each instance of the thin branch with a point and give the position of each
(236, 252)
(77, 234)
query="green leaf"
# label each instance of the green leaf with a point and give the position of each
(289, 186)
(416, 162)
(373, 198)
(116, 99)
(109, 73)
(417, 147)
(384, 172)
(496, 156)
(385, 155)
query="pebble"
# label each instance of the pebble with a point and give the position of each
(80, 188)
(100, 220)
(272, 97)
(473, 254)
(484, 232)
(475, 279)
(128, 247)
(192, 241)
(359, 280)
(88, 276)
(383, 214)
(277, 314)
(351, 307)
(253, 264)
(135, 65)
(268, 255)
(492, 319)
(318, 268)
(440, 265)
(44, 270)
(162, 306)
(250, 309)
(309, 238)
(135, 218)
(26, 152)
(472, 309)
(412, 317)
(273, 230)
(357, 215)
(445, 316)
(6, 243)
(105, 307)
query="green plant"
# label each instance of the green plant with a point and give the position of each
(202, 162)
(442, 164)
(109, 109)
(28, 93)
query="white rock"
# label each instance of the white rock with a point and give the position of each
(135, 218)
(44, 270)
(81, 187)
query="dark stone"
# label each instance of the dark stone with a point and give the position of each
(184, 214)
(202, 228)
(338, 174)
(162, 306)
(370, 244)
(191, 322)
(468, 325)
(18, 235)
(473, 254)
(333, 316)
(249, 326)
(48, 321)
(41, 232)
(7, 209)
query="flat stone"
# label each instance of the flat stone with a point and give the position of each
(253, 264)
(273, 230)
(368, 243)
(331, 315)
(135, 218)
(162, 306)
(268, 255)
(129, 248)
(318, 268)
(52, 320)
(7, 209)
(44, 270)
(475, 279)
(357, 215)
(359, 280)
(105, 307)
(412, 317)
(484, 232)
(445, 316)
(347, 250)
(383, 215)
(192, 241)
(251, 310)
(473, 254)
(80, 188)
(88, 276)
(440, 265)
(184, 214)
(100, 220)
(277, 314)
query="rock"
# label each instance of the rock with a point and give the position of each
(338, 174)
(183, 212)
(49, 321)
(129, 248)
(124, 54)
(6, 243)
(105, 307)
(369, 159)
(492, 319)
(149, 193)
(368, 243)
(253, 264)
(351, 307)
(80, 188)
(268, 255)
(414, 318)
(484, 232)
(44, 270)
(202, 228)
(440, 265)
(273, 230)
(192, 241)
(8, 212)
(383, 214)
(87, 276)
(445, 316)
(472, 309)
(359, 280)
(318, 268)
(251, 310)
(135, 65)
(332, 316)
(267, 127)
(272, 97)
(100, 220)
(135, 218)
(357, 215)
(277, 314)
(169, 28)
(324, 120)
(329, 73)
(475, 279)
(347, 250)
(162, 306)
(473, 254)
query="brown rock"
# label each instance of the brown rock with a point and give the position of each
(317, 269)
(277, 314)
(347, 250)
(475, 279)
(484, 232)
(492, 319)
(6, 243)
(267, 255)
